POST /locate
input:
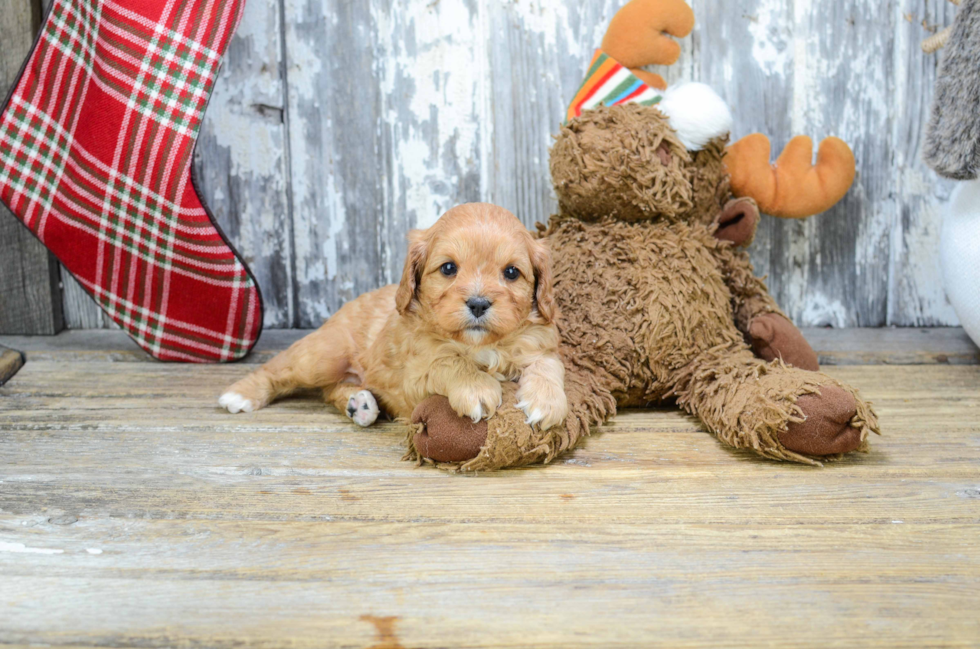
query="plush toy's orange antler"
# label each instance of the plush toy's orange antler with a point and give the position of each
(794, 187)
(638, 36)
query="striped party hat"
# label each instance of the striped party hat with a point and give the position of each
(696, 113)
(608, 83)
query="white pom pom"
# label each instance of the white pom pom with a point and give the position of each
(697, 113)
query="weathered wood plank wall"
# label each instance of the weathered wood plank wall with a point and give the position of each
(30, 298)
(337, 126)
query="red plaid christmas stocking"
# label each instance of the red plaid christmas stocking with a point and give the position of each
(96, 143)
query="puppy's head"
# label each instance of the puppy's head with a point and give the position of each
(477, 275)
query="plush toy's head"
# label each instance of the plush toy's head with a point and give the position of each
(628, 162)
(634, 149)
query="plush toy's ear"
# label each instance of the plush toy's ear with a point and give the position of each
(414, 264)
(544, 288)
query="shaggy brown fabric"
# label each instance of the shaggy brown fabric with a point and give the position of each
(606, 164)
(656, 306)
(508, 440)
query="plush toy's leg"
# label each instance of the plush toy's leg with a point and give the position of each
(773, 336)
(780, 412)
(506, 440)
(770, 334)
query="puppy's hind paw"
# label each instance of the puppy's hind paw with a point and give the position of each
(362, 408)
(235, 403)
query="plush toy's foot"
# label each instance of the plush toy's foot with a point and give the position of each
(447, 437)
(779, 411)
(506, 440)
(827, 429)
(772, 336)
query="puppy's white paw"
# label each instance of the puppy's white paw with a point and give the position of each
(234, 402)
(477, 399)
(545, 407)
(362, 408)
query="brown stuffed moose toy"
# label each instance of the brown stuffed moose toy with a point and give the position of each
(658, 299)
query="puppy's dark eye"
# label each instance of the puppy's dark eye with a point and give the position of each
(448, 269)
(511, 273)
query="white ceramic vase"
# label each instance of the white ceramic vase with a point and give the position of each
(959, 255)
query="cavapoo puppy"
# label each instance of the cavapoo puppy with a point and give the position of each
(474, 308)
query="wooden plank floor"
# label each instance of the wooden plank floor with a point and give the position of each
(134, 513)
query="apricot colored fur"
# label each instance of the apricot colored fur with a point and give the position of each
(407, 342)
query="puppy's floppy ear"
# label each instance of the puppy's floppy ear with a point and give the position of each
(414, 264)
(544, 294)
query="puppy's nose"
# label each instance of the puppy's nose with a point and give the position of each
(478, 306)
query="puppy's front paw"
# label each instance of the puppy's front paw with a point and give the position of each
(543, 402)
(363, 408)
(477, 398)
(234, 403)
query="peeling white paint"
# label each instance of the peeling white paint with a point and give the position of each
(823, 310)
(771, 50)
(93, 550)
(23, 549)
(243, 146)
(434, 93)
(921, 248)
(549, 19)
(305, 64)
(453, 122)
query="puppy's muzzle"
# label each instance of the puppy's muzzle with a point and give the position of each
(478, 306)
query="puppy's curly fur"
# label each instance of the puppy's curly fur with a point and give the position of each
(475, 307)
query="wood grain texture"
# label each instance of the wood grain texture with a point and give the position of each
(241, 157)
(134, 513)
(872, 346)
(336, 127)
(30, 297)
(81, 311)
(457, 100)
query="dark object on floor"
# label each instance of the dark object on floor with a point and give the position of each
(953, 136)
(10, 363)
